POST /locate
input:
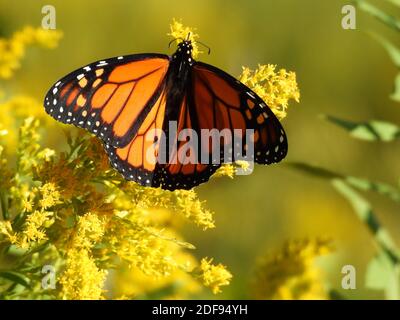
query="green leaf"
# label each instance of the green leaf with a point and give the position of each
(370, 131)
(384, 189)
(378, 187)
(395, 2)
(365, 213)
(391, 49)
(396, 92)
(314, 170)
(382, 274)
(15, 277)
(382, 16)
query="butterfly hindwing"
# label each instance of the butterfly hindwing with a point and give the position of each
(137, 161)
(223, 102)
(110, 98)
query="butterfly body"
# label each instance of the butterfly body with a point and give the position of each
(178, 78)
(130, 102)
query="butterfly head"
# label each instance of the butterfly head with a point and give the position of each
(184, 52)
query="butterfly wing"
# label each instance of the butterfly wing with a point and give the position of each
(111, 98)
(216, 100)
(223, 102)
(137, 161)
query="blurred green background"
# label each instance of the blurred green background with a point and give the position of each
(340, 72)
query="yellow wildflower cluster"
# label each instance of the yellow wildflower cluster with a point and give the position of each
(214, 276)
(13, 50)
(276, 88)
(13, 111)
(82, 279)
(180, 32)
(86, 219)
(291, 273)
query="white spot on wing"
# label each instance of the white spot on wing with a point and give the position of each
(251, 95)
(102, 63)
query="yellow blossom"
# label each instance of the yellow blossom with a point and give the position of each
(46, 154)
(276, 88)
(34, 228)
(291, 273)
(180, 32)
(6, 230)
(13, 50)
(226, 170)
(82, 279)
(214, 276)
(230, 169)
(50, 195)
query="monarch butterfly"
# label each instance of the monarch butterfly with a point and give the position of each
(126, 99)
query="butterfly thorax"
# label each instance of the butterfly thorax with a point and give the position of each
(179, 76)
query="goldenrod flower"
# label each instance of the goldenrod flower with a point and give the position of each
(214, 276)
(50, 195)
(276, 88)
(13, 50)
(180, 32)
(6, 230)
(82, 279)
(291, 273)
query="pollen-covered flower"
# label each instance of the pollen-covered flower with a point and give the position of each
(214, 276)
(276, 88)
(291, 273)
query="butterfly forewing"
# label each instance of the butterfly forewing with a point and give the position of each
(110, 98)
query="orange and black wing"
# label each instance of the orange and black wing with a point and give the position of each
(223, 102)
(186, 168)
(216, 100)
(138, 160)
(111, 98)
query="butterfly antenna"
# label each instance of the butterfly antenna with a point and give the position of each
(172, 41)
(204, 45)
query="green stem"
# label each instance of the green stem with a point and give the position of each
(3, 205)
